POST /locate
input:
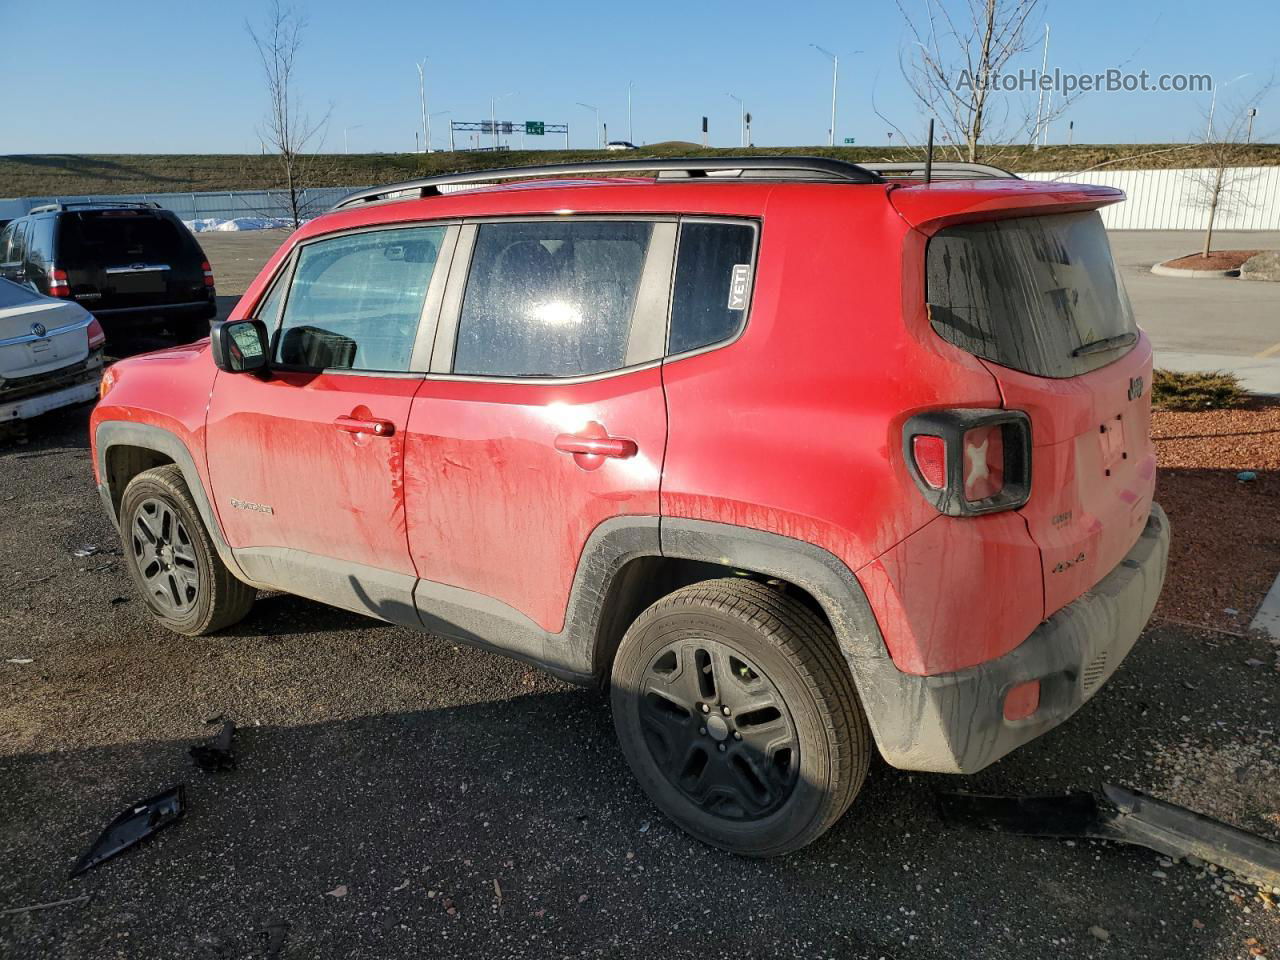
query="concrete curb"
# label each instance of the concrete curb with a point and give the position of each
(1267, 619)
(1161, 270)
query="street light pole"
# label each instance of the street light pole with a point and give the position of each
(599, 142)
(742, 110)
(631, 133)
(493, 117)
(835, 85)
(422, 99)
(1213, 102)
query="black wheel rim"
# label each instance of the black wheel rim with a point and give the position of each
(165, 556)
(718, 729)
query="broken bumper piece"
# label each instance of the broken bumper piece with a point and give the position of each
(1125, 816)
(134, 825)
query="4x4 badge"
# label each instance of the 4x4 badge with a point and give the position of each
(1135, 388)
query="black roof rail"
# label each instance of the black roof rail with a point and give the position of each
(62, 205)
(784, 168)
(942, 170)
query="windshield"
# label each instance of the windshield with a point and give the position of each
(1038, 294)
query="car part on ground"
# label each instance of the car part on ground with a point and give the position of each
(1125, 816)
(140, 821)
(217, 754)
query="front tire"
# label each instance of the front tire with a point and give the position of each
(172, 560)
(738, 715)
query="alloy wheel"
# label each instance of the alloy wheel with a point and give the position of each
(718, 729)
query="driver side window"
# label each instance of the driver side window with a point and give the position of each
(355, 301)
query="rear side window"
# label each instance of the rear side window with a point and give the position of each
(712, 283)
(356, 300)
(1038, 294)
(118, 237)
(551, 298)
(13, 242)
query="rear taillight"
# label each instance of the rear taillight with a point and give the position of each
(208, 273)
(97, 337)
(930, 456)
(968, 462)
(59, 283)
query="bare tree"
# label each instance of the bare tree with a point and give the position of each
(1223, 185)
(951, 67)
(287, 129)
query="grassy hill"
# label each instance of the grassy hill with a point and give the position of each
(70, 174)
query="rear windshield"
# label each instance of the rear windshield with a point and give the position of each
(1038, 294)
(120, 236)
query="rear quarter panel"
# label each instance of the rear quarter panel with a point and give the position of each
(796, 428)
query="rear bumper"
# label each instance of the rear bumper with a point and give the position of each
(33, 406)
(124, 316)
(954, 722)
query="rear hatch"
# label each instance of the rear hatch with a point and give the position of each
(1040, 301)
(123, 258)
(38, 335)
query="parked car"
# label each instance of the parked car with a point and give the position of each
(129, 264)
(50, 353)
(798, 461)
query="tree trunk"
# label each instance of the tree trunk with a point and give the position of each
(293, 192)
(1213, 210)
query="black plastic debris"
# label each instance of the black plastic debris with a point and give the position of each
(274, 933)
(1125, 816)
(134, 825)
(217, 754)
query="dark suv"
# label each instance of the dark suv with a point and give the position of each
(129, 264)
(801, 459)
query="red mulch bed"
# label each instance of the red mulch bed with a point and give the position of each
(1225, 552)
(1217, 260)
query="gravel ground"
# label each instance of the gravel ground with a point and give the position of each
(400, 796)
(1226, 534)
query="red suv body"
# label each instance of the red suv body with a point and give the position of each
(902, 424)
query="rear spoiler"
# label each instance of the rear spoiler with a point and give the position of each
(929, 207)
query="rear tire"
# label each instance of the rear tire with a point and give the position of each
(172, 560)
(739, 717)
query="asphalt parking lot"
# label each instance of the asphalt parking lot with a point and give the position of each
(401, 796)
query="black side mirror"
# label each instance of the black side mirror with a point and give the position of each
(240, 346)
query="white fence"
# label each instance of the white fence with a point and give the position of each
(1166, 199)
(1157, 199)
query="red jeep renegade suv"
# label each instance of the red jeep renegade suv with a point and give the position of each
(796, 456)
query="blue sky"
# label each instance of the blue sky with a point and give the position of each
(148, 76)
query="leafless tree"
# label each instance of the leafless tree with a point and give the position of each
(1222, 186)
(287, 129)
(951, 64)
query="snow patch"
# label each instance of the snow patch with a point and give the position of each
(220, 225)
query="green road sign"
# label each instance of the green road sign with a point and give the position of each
(848, 140)
(535, 128)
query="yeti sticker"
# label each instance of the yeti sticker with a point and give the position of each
(738, 285)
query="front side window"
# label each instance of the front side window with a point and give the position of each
(551, 298)
(355, 301)
(712, 283)
(1038, 294)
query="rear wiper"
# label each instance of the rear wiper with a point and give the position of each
(1106, 343)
